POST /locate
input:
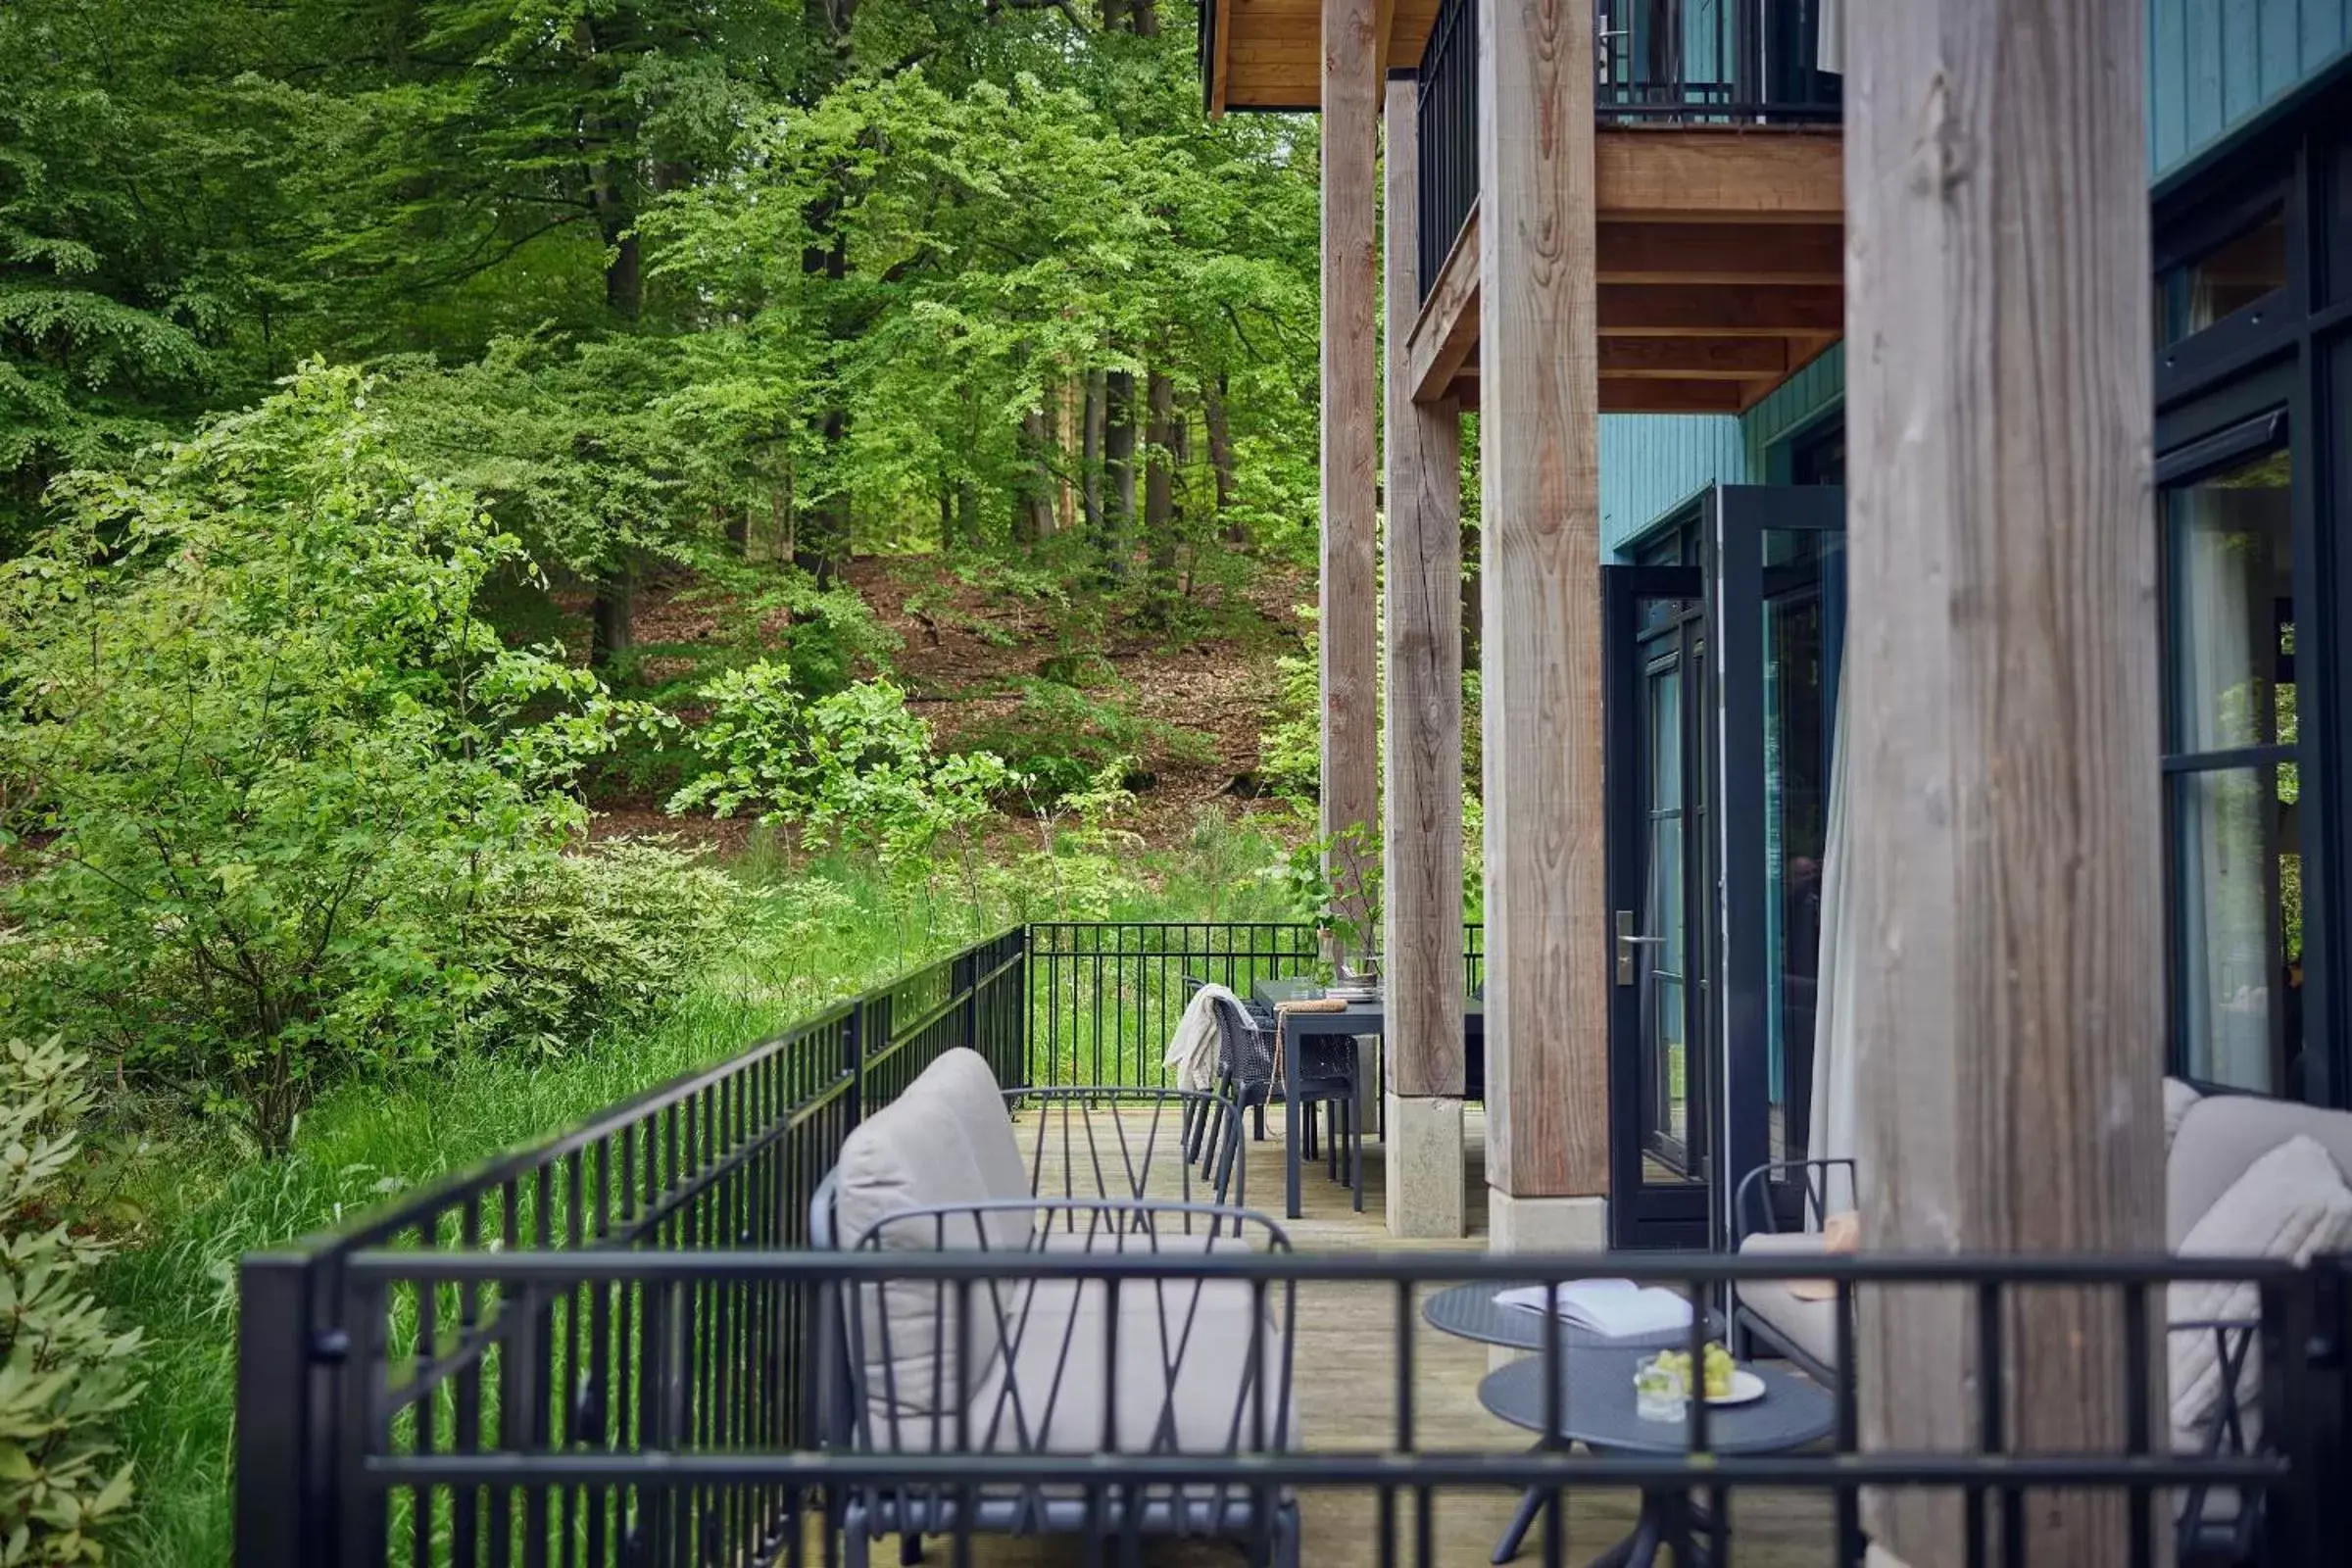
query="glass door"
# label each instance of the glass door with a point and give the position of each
(1661, 890)
(1776, 568)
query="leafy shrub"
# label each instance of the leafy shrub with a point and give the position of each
(583, 941)
(1060, 738)
(64, 1372)
(855, 767)
(1290, 750)
(267, 756)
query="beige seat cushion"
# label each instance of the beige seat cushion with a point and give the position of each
(1811, 1326)
(1180, 1378)
(2220, 1135)
(2291, 1202)
(963, 1078)
(2177, 1097)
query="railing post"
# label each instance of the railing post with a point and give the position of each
(1023, 1004)
(285, 1475)
(853, 1058)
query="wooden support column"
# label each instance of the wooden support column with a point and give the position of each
(2003, 660)
(1422, 837)
(1547, 1004)
(1350, 412)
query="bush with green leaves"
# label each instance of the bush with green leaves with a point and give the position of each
(853, 767)
(582, 942)
(266, 762)
(1061, 737)
(64, 1372)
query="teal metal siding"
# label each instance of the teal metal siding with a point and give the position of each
(2214, 64)
(1651, 464)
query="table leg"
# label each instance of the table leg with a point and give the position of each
(1290, 1114)
(1641, 1550)
(1514, 1535)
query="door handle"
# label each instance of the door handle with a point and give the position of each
(1627, 942)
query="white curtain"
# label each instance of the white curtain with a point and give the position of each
(1830, 56)
(1831, 1134)
(2223, 571)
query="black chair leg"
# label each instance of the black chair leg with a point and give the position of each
(911, 1549)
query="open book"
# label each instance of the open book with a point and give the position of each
(1612, 1307)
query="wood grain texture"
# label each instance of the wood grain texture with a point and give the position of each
(2002, 660)
(1721, 310)
(1220, 67)
(1421, 577)
(1642, 252)
(1350, 419)
(1734, 358)
(1539, 494)
(1685, 173)
(1442, 341)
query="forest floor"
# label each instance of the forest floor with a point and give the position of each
(968, 649)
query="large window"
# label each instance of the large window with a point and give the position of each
(2230, 784)
(2254, 545)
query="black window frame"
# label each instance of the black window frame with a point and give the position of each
(2278, 373)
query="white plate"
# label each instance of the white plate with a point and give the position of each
(1746, 1389)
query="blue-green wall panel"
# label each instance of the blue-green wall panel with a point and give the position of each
(1651, 464)
(2213, 64)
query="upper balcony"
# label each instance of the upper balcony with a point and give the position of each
(1718, 173)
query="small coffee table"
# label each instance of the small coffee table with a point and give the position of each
(1597, 1409)
(1471, 1312)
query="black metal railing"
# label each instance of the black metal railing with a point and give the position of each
(1105, 997)
(1709, 61)
(608, 1349)
(339, 1367)
(1446, 122)
(1657, 62)
(681, 1490)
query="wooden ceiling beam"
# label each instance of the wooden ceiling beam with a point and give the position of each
(1635, 394)
(1732, 359)
(1722, 253)
(1688, 172)
(1720, 310)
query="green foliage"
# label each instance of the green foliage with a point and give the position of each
(1289, 748)
(1337, 880)
(65, 1373)
(854, 767)
(597, 940)
(1060, 739)
(271, 758)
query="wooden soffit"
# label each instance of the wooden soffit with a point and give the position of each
(1720, 259)
(1268, 54)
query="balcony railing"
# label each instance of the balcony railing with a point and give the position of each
(606, 1351)
(1657, 62)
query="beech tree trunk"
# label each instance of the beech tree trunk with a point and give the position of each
(1033, 505)
(1221, 461)
(1119, 470)
(1089, 458)
(1160, 481)
(613, 617)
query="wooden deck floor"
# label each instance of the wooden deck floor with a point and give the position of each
(1344, 1378)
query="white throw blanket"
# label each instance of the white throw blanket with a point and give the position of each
(1193, 1047)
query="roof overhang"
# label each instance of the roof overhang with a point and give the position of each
(1268, 54)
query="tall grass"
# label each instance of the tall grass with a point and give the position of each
(828, 931)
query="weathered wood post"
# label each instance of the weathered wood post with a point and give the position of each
(1546, 1003)
(1422, 837)
(1350, 426)
(2007, 873)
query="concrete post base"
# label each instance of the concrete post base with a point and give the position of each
(1423, 1157)
(1516, 1224)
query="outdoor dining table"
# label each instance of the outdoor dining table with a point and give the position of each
(1359, 1019)
(1597, 1408)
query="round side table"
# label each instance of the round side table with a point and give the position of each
(1597, 1409)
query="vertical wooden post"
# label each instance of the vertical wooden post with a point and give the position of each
(1546, 1002)
(2002, 655)
(1421, 572)
(1350, 412)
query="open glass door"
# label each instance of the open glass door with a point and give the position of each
(1661, 886)
(1776, 568)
